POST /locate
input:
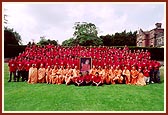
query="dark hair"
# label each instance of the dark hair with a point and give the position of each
(97, 72)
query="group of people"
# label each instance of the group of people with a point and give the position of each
(57, 65)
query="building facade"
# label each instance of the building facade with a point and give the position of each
(152, 38)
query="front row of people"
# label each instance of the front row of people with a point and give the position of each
(55, 75)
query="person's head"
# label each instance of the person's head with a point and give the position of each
(87, 61)
(76, 67)
(99, 67)
(133, 67)
(146, 67)
(97, 74)
(125, 67)
(55, 67)
(139, 69)
(33, 65)
(80, 74)
(41, 65)
(87, 72)
(93, 67)
(62, 66)
(48, 67)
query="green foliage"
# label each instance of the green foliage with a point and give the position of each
(69, 42)
(11, 37)
(120, 39)
(44, 41)
(20, 96)
(85, 35)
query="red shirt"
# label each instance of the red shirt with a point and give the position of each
(12, 66)
(27, 65)
(20, 65)
(146, 72)
(96, 79)
(87, 77)
(156, 66)
(80, 79)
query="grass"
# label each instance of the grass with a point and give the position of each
(20, 96)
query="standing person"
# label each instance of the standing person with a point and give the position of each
(41, 74)
(134, 75)
(151, 73)
(156, 72)
(96, 79)
(140, 78)
(27, 66)
(12, 69)
(126, 74)
(20, 66)
(48, 75)
(80, 80)
(146, 72)
(33, 75)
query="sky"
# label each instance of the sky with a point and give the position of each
(56, 20)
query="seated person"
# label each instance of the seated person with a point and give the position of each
(96, 79)
(80, 80)
(87, 78)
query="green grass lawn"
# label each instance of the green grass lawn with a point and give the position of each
(20, 96)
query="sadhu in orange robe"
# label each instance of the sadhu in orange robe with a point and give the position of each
(134, 76)
(126, 73)
(41, 74)
(118, 76)
(61, 75)
(140, 79)
(54, 75)
(48, 75)
(33, 75)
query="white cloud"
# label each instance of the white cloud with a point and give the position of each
(56, 21)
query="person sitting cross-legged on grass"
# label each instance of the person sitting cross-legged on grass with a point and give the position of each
(96, 79)
(80, 79)
(87, 78)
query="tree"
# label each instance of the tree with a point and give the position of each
(85, 34)
(44, 41)
(69, 42)
(11, 37)
(120, 39)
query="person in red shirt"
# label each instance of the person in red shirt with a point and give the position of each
(12, 69)
(146, 72)
(96, 79)
(150, 68)
(80, 80)
(27, 66)
(87, 78)
(20, 66)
